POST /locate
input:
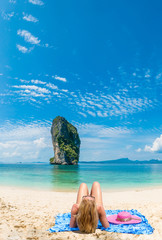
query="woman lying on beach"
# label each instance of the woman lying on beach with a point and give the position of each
(88, 209)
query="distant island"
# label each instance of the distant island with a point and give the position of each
(127, 161)
(116, 161)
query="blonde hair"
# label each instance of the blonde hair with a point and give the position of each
(87, 217)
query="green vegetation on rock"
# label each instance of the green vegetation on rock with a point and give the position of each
(69, 148)
(51, 160)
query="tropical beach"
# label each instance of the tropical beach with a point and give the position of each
(28, 214)
(29, 201)
(80, 108)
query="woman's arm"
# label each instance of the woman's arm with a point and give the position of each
(102, 216)
(83, 190)
(74, 211)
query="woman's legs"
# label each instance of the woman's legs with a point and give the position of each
(83, 191)
(97, 193)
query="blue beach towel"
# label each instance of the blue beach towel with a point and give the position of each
(62, 224)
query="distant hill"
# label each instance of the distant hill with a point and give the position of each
(128, 161)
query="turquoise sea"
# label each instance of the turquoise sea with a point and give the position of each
(110, 176)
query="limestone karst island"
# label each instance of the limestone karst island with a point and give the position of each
(66, 142)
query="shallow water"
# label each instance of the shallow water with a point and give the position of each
(110, 176)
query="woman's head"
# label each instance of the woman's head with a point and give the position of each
(87, 217)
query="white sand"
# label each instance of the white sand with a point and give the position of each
(27, 214)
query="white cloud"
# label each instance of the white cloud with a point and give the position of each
(7, 16)
(28, 37)
(12, 1)
(100, 114)
(52, 86)
(24, 81)
(12, 144)
(36, 81)
(11, 154)
(114, 131)
(64, 90)
(4, 145)
(111, 105)
(102, 131)
(29, 18)
(1, 74)
(93, 114)
(32, 93)
(23, 49)
(147, 74)
(139, 150)
(60, 78)
(29, 141)
(156, 146)
(95, 104)
(32, 87)
(83, 114)
(99, 142)
(55, 93)
(101, 103)
(36, 2)
(40, 142)
(159, 76)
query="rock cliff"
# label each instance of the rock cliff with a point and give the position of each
(66, 142)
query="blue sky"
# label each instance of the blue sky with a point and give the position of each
(96, 63)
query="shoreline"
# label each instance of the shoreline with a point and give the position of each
(29, 213)
(63, 190)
